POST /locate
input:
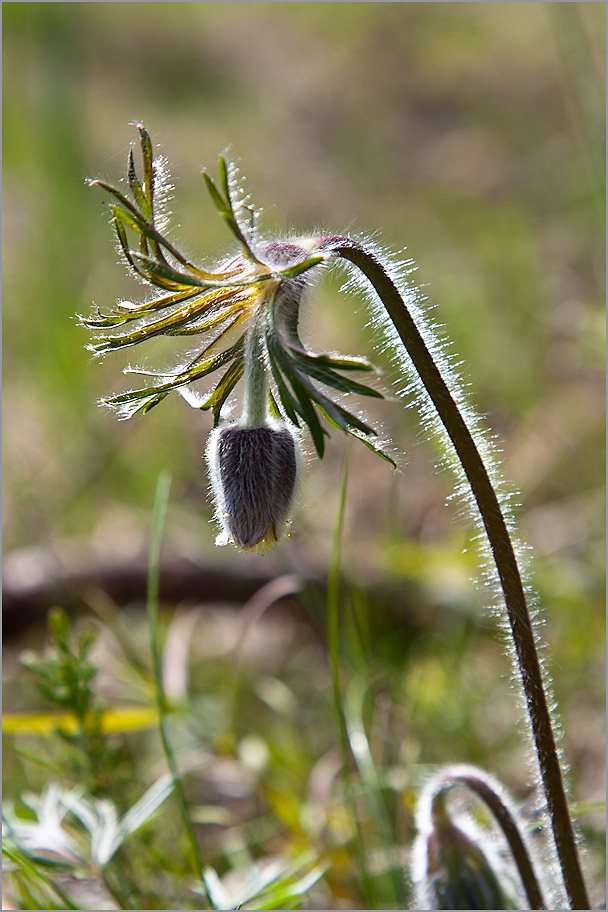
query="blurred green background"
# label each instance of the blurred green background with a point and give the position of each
(473, 133)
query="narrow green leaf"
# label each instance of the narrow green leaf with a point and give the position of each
(336, 362)
(287, 401)
(126, 312)
(223, 389)
(211, 345)
(217, 320)
(359, 435)
(224, 181)
(129, 218)
(145, 231)
(141, 226)
(338, 412)
(144, 226)
(352, 420)
(273, 408)
(122, 238)
(333, 417)
(166, 273)
(180, 317)
(215, 195)
(182, 378)
(132, 407)
(373, 447)
(136, 188)
(309, 414)
(102, 321)
(351, 386)
(151, 403)
(148, 160)
(290, 272)
(319, 371)
(122, 199)
(229, 213)
(182, 280)
(137, 310)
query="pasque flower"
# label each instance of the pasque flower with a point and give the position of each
(247, 312)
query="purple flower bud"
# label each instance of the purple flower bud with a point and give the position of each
(253, 474)
(450, 868)
(460, 875)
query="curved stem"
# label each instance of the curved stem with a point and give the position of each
(502, 549)
(507, 823)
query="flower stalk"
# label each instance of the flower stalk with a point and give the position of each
(520, 622)
(255, 407)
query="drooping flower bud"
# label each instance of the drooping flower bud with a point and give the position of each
(459, 874)
(451, 870)
(253, 474)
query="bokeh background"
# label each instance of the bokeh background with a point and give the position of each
(470, 133)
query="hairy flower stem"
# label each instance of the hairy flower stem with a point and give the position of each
(502, 549)
(507, 823)
(255, 408)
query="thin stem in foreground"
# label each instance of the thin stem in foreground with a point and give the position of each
(502, 549)
(161, 501)
(333, 645)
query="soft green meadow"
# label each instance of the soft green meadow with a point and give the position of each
(187, 726)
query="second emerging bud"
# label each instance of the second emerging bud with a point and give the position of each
(253, 474)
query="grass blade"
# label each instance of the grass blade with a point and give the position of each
(161, 502)
(333, 643)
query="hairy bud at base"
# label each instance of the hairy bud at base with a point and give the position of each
(253, 474)
(459, 874)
